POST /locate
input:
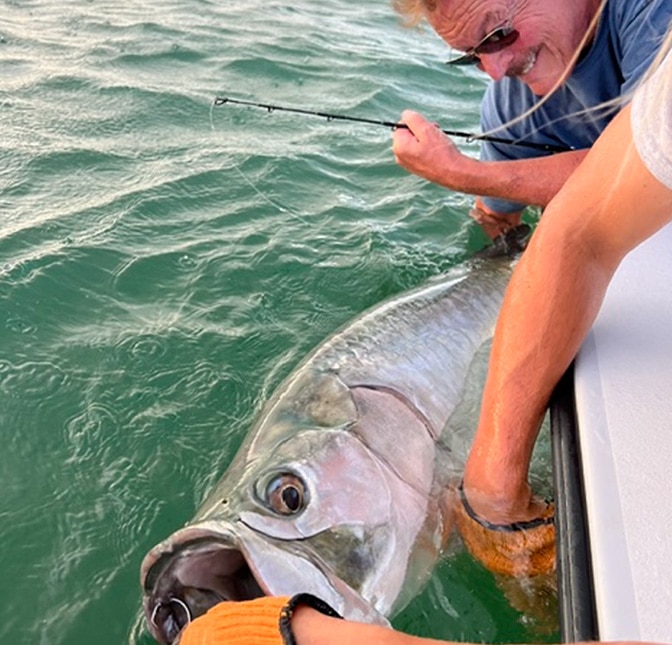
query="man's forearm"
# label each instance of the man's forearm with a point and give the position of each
(558, 281)
(424, 150)
(529, 181)
(312, 628)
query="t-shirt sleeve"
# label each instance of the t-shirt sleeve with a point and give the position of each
(500, 104)
(641, 30)
(651, 121)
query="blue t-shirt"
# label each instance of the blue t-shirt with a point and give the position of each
(628, 36)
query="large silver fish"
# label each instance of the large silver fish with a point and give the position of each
(337, 490)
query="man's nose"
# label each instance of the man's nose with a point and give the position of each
(496, 65)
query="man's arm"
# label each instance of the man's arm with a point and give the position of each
(425, 151)
(610, 205)
(312, 628)
(267, 621)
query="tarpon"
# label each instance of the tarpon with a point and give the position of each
(338, 488)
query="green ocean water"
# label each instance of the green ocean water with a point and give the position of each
(165, 263)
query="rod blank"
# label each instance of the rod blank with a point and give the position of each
(545, 147)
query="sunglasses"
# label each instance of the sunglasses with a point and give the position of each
(494, 42)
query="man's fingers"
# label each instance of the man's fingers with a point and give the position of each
(416, 123)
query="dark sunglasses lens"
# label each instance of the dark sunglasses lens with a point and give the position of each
(501, 39)
(494, 43)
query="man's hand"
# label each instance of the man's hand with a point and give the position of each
(520, 548)
(424, 150)
(253, 622)
(494, 224)
(421, 148)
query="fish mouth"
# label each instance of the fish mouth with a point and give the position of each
(189, 573)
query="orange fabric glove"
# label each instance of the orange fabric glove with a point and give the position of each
(517, 549)
(262, 621)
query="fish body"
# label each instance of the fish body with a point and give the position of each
(337, 490)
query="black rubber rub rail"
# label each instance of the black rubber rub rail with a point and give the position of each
(576, 598)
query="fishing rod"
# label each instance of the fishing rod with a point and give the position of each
(546, 147)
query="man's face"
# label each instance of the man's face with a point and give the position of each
(548, 33)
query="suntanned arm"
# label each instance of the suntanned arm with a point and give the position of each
(610, 205)
(313, 628)
(425, 151)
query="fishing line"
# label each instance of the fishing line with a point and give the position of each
(545, 147)
(250, 183)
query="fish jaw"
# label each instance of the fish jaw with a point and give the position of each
(202, 565)
(190, 572)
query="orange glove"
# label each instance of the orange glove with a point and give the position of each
(262, 621)
(517, 549)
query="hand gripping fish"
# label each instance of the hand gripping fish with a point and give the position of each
(338, 488)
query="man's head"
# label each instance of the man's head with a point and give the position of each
(533, 40)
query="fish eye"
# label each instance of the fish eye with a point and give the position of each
(286, 494)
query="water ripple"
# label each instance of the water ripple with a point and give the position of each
(32, 379)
